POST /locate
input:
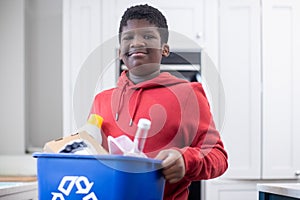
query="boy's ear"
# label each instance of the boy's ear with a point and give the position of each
(165, 50)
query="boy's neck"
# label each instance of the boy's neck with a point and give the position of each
(138, 79)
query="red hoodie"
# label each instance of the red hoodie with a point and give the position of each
(180, 118)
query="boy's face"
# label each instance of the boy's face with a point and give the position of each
(140, 47)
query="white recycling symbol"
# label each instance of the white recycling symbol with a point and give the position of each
(81, 183)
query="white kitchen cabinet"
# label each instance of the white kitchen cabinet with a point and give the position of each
(258, 67)
(220, 189)
(281, 91)
(230, 190)
(82, 34)
(185, 19)
(259, 64)
(240, 72)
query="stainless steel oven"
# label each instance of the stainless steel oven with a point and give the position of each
(184, 64)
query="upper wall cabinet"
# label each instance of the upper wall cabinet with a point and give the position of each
(185, 20)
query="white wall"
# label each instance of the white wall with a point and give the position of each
(30, 80)
(12, 67)
(43, 71)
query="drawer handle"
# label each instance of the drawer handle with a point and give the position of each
(297, 173)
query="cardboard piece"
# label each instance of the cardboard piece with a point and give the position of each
(91, 145)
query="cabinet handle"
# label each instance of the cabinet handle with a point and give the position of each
(297, 173)
(199, 35)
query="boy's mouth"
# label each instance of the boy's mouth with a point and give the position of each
(136, 52)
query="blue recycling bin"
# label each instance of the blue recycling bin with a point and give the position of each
(98, 177)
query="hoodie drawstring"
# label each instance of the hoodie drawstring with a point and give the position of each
(121, 99)
(135, 106)
(137, 100)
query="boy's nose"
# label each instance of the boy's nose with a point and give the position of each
(137, 42)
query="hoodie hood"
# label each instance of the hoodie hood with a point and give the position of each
(164, 79)
(126, 86)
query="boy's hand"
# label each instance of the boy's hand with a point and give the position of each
(173, 165)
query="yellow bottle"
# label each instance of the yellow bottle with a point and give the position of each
(93, 127)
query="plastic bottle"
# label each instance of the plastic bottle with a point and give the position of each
(93, 127)
(141, 135)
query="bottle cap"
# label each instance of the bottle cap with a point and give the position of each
(95, 120)
(144, 123)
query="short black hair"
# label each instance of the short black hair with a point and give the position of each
(149, 13)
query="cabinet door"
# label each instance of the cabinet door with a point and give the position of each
(81, 36)
(240, 71)
(281, 70)
(184, 18)
(230, 190)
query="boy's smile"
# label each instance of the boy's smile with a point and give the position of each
(141, 48)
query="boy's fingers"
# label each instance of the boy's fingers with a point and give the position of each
(168, 158)
(161, 155)
(165, 157)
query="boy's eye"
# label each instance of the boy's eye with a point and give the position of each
(128, 37)
(147, 37)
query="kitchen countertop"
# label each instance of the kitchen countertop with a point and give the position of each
(284, 189)
(18, 178)
(16, 187)
(18, 190)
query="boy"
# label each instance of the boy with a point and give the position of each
(182, 134)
